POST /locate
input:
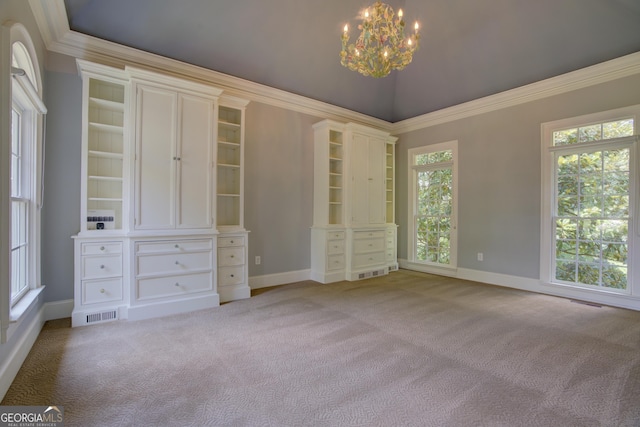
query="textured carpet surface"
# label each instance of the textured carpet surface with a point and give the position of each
(408, 349)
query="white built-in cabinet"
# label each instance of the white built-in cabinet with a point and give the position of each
(353, 234)
(161, 204)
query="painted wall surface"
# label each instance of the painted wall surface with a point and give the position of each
(61, 211)
(278, 188)
(499, 160)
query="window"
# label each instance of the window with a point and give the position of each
(589, 199)
(432, 235)
(20, 192)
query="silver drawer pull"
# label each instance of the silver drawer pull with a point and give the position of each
(102, 291)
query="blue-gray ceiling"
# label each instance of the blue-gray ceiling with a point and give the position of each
(469, 48)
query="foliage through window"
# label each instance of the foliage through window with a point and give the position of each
(593, 199)
(433, 234)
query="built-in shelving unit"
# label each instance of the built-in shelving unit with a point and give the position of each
(229, 180)
(389, 183)
(104, 147)
(336, 169)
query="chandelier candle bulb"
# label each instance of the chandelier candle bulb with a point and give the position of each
(382, 45)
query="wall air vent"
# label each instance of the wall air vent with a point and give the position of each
(104, 316)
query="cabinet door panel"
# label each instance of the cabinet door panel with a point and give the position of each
(376, 180)
(155, 172)
(360, 180)
(194, 167)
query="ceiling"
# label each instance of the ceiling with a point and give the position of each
(469, 48)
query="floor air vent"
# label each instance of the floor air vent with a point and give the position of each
(105, 316)
(370, 274)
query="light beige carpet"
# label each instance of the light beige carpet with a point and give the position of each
(408, 349)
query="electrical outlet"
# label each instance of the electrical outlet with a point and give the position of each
(258, 260)
(480, 256)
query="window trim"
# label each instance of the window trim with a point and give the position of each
(547, 194)
(412, 184)
(28, 89)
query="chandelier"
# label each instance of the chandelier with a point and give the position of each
(382, 45)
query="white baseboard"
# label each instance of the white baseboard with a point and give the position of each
(530, 285)
(257, 282)
(58, 309)
(11, 365)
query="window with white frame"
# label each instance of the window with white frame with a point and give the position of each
(433, 181)
(590, 195)
(26, 132)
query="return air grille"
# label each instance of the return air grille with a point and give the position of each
(104, 316)
(371, 274)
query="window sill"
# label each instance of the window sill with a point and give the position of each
(25, 304)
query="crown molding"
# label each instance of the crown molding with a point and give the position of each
(600, 73)
(52, 21)
(51, 18)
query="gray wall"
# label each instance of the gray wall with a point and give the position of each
(499, 160)
(61, 211)
(278, 188)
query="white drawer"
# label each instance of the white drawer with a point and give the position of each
(335, 235)
(173, 246)
(160, 287)
(173, 263)
(335, 247)
(364, 260)
(230, 241)
(230, 256)
(95, 267)
(103, 248)
(98, 291)
(368, 245)
(230, 276)
(369, 234)
(335, 262)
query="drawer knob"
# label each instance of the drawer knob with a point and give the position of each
(102, 266)
(232, 275)
(177, 262)
(232, 241)
(102, 291)
(177, 284)
(102, 248)
(231, 256)
(177, 246)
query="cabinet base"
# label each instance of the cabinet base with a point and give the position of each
(232, 293)
(167, 308)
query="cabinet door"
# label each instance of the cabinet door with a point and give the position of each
(376, 179)
(195, 147)
(359, 179)
(155, 158)
(368, 191)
